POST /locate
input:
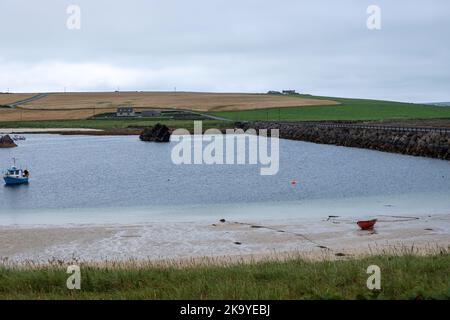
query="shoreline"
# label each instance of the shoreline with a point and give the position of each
(132, 131)
(232, 241)
(72, 131)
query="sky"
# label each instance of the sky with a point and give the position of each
(321, 47)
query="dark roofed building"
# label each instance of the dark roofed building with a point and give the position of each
(125, 112)
(151, 113)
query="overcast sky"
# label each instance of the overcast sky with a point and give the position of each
(316, 46)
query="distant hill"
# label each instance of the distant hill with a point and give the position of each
(235, 106)
(82, 105)
(349, 109)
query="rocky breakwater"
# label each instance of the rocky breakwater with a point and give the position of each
(432, 144)
(7, 142)
(157, 133)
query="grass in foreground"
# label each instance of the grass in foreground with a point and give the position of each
(402, 277)
(349, 109)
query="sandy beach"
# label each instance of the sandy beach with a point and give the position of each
(187, 240)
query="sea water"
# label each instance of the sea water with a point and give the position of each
(119, 179)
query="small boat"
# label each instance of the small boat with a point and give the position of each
(367, 224)
(14, 175)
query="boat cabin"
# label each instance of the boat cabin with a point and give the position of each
(15, 172)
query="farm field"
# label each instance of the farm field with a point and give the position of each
(348, 109)
(19, 114)
(86, 104)
(189, 100)
(7, 98)
(233, 106)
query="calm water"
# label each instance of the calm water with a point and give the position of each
(77, 179)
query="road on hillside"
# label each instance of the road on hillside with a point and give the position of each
(208, 116)
(33, 98)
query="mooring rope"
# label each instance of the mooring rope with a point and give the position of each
(289, 232)
(396, 219)
(330, 218)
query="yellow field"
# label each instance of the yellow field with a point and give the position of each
(22, 115)
(6, 98)
(82, 105)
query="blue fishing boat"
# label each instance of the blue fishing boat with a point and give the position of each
(14, 175)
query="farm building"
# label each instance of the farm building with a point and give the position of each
(151, 113)
(125, 112)
(289, 92)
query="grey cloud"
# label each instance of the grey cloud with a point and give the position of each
(321, 47)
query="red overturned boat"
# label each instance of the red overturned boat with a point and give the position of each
(367, 224)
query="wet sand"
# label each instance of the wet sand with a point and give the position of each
(311, 237)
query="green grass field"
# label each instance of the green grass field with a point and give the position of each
(350, 109)
(112, 123)
(402, 277)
